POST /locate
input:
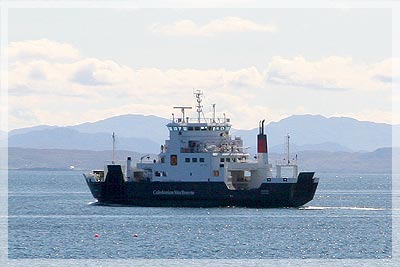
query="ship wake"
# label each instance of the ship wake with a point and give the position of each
(341, 208)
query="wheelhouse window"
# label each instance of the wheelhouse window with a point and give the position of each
(174, 160)
(194, 159)
(201, 159)
(187, 159)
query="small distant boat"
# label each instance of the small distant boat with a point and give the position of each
(202, 165)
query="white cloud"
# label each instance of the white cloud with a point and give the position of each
(372, 114)
(331, 73)
(50, 90)
(214, 27)
(41, 49)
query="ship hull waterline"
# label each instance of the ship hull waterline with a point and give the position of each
(204, 194)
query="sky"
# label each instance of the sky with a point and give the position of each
(72, 65)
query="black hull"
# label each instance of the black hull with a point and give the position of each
(203, 194)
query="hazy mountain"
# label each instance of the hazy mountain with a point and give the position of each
(139, 126)
(348, 133)
(147, 133)
(66, 138)
(378, 161)
(32, 158)
(30, 129)
(327, 146)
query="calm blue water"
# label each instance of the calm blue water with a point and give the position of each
(50, 216)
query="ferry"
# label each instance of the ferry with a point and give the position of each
(203, 165)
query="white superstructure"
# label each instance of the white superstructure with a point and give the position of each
(202, 149)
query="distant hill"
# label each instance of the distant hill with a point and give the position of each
(330, 134)
(327, 146)
(147, 133)
(32, 158)
(315, 129)
(378, 161)
(31, 129)
(129, 125)
(66, 138)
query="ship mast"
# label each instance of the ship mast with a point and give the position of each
(199, 107)
(213, 110)
(287, 149)
(113, 150)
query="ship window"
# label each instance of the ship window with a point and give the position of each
(190, 128)
(197, 128)
(216, 173)
(216, 128)
(174, 160)
(170, 128)
(164, 173)
(187, 159)
(184, 128)
(162, 159)
(227, 128)
(201, 159)
(234, 159)
(176, 128)
(210, 128)
(228, 160)
(222, 128)
(203, 128)
(221, 165)
(221, 159)
(194, 159)
(157, 173)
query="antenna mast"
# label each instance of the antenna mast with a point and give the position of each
(213, 110)
(199, 107)
(113, 151)
(183, 112)
(288, 144)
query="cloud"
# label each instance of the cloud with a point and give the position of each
(41, 49)
(214, 27)
(372, 114)
(330, 73)
(58, 91)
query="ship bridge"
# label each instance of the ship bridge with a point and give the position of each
(201, 134)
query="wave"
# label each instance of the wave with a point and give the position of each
(341, 208)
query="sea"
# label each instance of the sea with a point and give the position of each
(52, 216)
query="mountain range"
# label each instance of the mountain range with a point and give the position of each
(145, 134)
(378, 161)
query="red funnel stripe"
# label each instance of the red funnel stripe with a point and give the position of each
(262, 143)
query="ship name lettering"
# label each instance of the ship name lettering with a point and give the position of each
(174, 192)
